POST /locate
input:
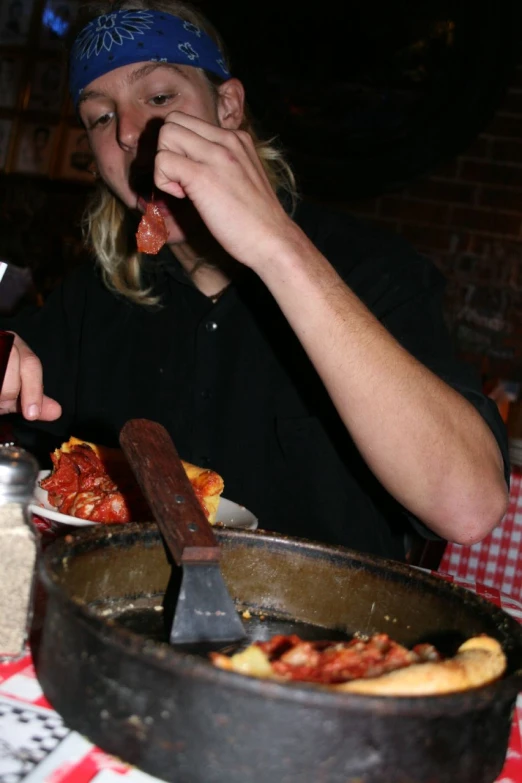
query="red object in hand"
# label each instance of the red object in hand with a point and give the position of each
(152, 232)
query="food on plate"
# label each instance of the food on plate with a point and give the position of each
(81, 486)
(152, 232)
(208, 486)
(95, 483)
(377, 666)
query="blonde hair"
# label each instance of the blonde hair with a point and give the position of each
(107, 224)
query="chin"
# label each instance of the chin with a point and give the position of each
(176, 235)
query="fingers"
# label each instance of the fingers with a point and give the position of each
(23, 386)
(50, 410)
(186, 170)
(233, 138)
(219, 170)
(11, 386)
(184, 136)
(174, 188)
(173, 174)
(31, 383)
(203, 129)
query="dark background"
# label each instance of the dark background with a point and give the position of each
(366, 95)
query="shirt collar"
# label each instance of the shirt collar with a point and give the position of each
(165, 261)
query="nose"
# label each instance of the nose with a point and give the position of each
(129, 129)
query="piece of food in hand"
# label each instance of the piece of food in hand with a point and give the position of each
(377, 666)
(152, 232)
(95, 483)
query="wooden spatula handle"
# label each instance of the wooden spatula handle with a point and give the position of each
(155, 462)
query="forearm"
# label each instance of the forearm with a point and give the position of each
(426, 444)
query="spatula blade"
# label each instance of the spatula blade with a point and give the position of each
(205, 612)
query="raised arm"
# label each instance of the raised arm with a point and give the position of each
(426, 444)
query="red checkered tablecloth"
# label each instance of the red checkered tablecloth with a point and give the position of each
(36, 747)
(497, 560)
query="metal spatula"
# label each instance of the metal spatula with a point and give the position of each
(205, 612)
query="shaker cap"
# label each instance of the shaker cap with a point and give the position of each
(18, 471)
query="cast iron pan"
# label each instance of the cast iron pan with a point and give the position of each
(105, 665)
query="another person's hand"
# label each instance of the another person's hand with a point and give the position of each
(22, 390)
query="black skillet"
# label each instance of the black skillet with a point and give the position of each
(104, 666)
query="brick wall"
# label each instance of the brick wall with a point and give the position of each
(467, 216)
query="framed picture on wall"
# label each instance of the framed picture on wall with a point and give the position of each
(57, 18)
(47, 85)
(6, 127)
(77, 161)
(10, 74)
(15, 21)
(35, 147)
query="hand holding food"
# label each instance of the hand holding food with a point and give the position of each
(219, 170)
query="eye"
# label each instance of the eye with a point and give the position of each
(104, 119)
(161, 100)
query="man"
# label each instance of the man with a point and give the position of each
(298, 354)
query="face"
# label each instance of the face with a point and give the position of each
(123, 111)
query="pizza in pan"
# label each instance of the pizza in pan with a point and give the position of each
(95, 483)
(377, 666)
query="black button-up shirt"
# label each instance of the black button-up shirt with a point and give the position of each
(235, 389)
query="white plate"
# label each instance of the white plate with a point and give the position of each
(229, 514)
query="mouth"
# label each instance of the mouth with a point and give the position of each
(159, 202)
(142, 184)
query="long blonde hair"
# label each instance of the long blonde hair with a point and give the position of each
(107, 225)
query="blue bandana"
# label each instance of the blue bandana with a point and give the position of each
(126, 37)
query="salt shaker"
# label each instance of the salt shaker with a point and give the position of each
(18, 548)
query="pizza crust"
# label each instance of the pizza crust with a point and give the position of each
(208, 486)
(479, 661)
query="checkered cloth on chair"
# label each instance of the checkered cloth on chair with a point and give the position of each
(497, 560)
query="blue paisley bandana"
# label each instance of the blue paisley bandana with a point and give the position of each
(126, 37)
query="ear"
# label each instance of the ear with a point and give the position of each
(231, 104)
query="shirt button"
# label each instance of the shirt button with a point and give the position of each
(211, 326)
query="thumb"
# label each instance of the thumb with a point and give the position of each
(51, 410)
